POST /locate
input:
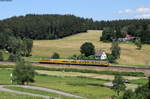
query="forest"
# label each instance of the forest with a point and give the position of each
(55, 26)
(118, 29)
(45, 26)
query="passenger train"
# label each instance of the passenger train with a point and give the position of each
(75, 62)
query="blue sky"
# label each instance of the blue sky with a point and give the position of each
(96, 9)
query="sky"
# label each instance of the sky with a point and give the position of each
(95, 9)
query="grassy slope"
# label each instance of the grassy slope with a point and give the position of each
(71, 45)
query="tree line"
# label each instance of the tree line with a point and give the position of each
(54, 26)
(119, 29)
(45, 26)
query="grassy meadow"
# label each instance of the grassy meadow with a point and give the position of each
(71, 45)
(85, 87)
(89, 86)
(33, 91)
(7, 95)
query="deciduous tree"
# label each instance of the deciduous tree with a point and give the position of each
(115, 49)
(23, 72)
(87, 49)
(118, 84)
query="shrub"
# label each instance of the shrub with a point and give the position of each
(55, 56)
(111, 58)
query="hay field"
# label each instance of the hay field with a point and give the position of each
(71, 45)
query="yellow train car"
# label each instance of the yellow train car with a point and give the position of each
(75, 62)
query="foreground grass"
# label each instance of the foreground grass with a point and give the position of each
(89, 88)
(139, 81)
(85, 87)
(6, 95)
(71, 45)
(38, 92)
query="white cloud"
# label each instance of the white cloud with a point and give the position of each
(143, 10)
(143, 16)
(125, 11)
(135, 11)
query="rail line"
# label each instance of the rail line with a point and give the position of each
(112, 67)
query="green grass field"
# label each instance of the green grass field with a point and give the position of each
(71, 45)
(85, 87)
(6, 95)
(90, 88)
(38, 92)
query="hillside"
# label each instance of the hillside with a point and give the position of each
(71, 45)
(44, 26)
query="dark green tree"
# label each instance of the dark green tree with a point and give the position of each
(27, 47)
(118, 84)
(55, 56)
(87, 49)
(115, 49)
(23, 73)
(15, 45)
(108, 34)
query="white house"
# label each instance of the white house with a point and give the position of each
(100, 54)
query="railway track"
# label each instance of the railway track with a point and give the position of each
(119, 67)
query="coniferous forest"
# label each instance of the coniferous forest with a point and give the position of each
(58, 26)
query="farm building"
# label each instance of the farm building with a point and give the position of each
(100, 54)
(128, 38)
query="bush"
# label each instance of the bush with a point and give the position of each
(55, 56)
(111, 58)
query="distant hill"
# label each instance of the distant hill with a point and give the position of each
(45, 26)
(54, 26)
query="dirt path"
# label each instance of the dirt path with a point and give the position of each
(22, 93)
(36, 88)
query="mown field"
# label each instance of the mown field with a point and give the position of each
(6, 95)
(71, 45)
(87, 85)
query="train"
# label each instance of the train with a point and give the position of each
(75, 62)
